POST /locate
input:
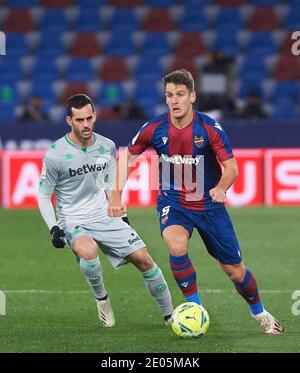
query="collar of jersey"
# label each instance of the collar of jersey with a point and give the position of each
(78, 147)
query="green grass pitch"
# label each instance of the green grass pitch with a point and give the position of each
(49, 307)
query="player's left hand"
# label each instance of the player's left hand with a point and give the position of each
(218, 195)
(116, 208)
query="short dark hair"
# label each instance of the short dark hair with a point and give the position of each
(78, 101)
(180, 76)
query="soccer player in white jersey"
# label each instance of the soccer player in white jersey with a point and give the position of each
(80, 168)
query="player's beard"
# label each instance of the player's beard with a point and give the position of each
(83, 135)
(86, 134)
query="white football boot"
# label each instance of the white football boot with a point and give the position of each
(106, 313)
(268, 323)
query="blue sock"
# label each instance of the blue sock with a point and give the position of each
(194, 298)
(249, 291)
(185, 276)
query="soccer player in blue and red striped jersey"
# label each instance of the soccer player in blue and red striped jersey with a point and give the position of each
(192, 192)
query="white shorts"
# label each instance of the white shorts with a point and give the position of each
(116, 238)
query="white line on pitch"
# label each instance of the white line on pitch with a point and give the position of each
(56, 291)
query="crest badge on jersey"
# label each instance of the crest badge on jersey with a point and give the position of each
(198, 140)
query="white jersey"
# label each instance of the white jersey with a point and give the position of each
(80, 178)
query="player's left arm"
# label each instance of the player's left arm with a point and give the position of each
(221, 147)
(230, 173)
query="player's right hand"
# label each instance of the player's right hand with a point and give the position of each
(57, 235)
(116, 209)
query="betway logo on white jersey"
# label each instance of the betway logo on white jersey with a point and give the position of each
(86, 168)
(179, 159)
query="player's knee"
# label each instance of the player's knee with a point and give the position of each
(89, 254)
(236, 274)
(177, 248)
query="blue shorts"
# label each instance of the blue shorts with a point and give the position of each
(213, 225)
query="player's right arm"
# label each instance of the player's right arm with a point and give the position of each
(126, 157)
(47, 185)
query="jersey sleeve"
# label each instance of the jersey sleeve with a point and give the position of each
(142, 140)
(49, 175)
(219, 141)
(46, 209)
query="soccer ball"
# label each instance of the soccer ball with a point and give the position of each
(190, 320)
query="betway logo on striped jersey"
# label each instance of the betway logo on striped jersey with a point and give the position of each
(86, 168)
(179, 159)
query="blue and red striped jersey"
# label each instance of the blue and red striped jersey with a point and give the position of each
(189, 157)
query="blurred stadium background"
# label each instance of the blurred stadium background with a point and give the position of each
(240, 53)
(118, 50)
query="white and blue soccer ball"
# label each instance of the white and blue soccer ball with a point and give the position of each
(189, 320)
